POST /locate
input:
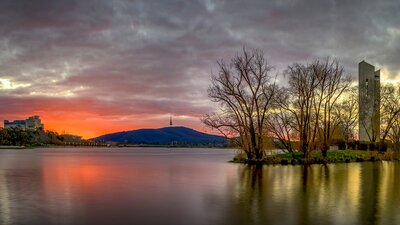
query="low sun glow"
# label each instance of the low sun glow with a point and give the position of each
(388, 78)
(7, 84)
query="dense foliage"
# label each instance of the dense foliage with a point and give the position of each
(19, 137)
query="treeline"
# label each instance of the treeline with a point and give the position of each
(309, 107)
(19, 137)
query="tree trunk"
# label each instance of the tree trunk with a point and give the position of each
(249, 155)
(382, 145)
(325, 149)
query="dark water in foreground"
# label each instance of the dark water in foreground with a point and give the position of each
(189, 186)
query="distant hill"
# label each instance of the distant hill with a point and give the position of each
(164, 136)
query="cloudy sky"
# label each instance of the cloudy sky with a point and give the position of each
(98, 66)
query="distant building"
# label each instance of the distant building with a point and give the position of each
(369, 102)
(32, 123)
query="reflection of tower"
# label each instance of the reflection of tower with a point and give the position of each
(170, 120)
(369, 102)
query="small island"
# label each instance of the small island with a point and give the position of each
(313, 113)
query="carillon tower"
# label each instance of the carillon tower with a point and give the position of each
(369, 102)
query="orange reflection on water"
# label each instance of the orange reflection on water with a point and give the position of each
(94, 175)
(90, 187)
(60, 176)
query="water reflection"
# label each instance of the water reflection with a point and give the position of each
(193, 187)
(356, 193)
(151, 186)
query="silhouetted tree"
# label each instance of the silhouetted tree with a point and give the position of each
(333, 83)
(244, 90)
(313, 92)
(394, 136)
(346, 112)
(299, 101)
(280, 123)
(390, 111)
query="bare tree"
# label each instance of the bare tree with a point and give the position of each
(314, 92)
(302, 90)
(346, 112)
(244, 90)
(333, 83)
(390, 110)
(280, 122)
(394, 136)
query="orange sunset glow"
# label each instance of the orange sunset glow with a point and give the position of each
(97, 126)
(89, 126)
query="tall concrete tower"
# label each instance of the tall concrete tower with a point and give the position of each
(369, 102)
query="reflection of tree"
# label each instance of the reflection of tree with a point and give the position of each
(380, 197)
(356, 193)
(248, 205)
(389, 195)
(250, 199)
(369, 194)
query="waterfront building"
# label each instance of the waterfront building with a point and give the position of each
(31, 123)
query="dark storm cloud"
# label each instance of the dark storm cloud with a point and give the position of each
(158, 55)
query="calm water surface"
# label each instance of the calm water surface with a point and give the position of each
(189, 186)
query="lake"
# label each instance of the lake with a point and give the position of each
(189, 186)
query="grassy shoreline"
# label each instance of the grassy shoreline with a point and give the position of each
(12, 147)
(336, 156)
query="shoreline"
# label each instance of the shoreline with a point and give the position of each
(12, 147)
(333, 157)
(6, 147)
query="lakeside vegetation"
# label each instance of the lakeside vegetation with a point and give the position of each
(335, 156)
(305, 111)
(30, 138)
